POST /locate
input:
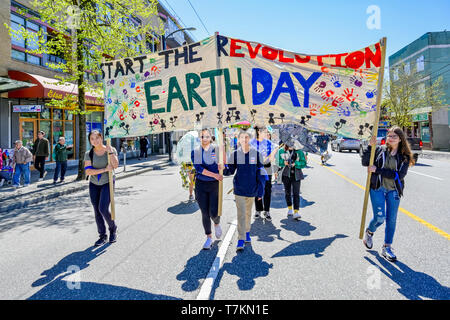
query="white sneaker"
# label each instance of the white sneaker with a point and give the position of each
(257, 214)
(45, 173)
(191, 198)
(41, 179)
(297, 216)
(290, 213)
(207, 244)
(218, 231)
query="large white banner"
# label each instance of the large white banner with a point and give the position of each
(220, 80)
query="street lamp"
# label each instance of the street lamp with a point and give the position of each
(169, 134)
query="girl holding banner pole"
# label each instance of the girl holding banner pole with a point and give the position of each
(207, 177)
(386, 185)
(97, 167)
(248, 183)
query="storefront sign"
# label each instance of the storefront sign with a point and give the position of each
(27, 108)
(420, 117)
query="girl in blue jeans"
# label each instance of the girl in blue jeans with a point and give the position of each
(386, 185)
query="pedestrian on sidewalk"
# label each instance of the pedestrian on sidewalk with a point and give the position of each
(3, 175)
(207, 177)
(386, 185)
(266, 148)
(322, 143)
(61, 159)
(21, 164)
(143, 146)
(248, 182)
(41, 151)
(292, 160)
(97, 167)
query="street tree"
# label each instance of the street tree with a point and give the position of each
(406, 92)
(85, 33)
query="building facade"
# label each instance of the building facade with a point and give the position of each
(430, 57)
(25, 110)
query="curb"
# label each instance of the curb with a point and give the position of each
(80, 186)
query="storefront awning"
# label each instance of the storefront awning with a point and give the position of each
(47, 88)
(7, 84)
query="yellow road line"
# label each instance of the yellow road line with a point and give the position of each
(409, 214)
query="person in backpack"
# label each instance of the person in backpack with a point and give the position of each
(41, 151)
(248, 182)
(387, 183)
(97, 167)
(291, 161)
(61, 159)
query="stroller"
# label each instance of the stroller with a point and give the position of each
(6, 175)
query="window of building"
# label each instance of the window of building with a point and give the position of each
(407, 69)
(21, 45)
(420, 63)
(395, 75)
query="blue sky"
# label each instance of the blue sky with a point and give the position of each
(314, 27)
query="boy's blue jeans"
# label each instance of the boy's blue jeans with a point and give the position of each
(385, 207)
(22, 169)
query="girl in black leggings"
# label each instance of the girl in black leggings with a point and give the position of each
(97, 167)
(205, 159)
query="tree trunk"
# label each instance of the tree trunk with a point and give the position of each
(82, 107)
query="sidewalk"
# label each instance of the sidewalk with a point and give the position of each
(435, 155)
(36, 192)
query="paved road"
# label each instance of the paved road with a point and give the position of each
(158, 254)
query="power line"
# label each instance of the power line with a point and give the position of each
(199, 17)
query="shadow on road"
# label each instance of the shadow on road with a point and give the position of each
(197, 268)
(307, 247)
(184, 207)
(414, 285)
(301, 227)
(76, 260)
(247, 265)
(66, 290)
(265, 230)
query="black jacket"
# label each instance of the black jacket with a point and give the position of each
(377, 177)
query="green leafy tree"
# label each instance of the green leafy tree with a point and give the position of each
(85, 33)
(406, 92)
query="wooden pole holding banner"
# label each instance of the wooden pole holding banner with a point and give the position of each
(220, 129)
(111, 184)
(374, 133)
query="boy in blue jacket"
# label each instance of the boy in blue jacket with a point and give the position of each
(249, 182)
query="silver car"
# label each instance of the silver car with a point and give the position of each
(349, 144)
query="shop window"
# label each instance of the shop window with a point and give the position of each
(57, 114)
(68, 115)
(29, 115)
(45, 113)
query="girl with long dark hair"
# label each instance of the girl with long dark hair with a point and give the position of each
(386, 185)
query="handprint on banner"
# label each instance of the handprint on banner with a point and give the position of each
(337, 101)
(326, 109)
(371, 106)
(133, 114)
(356, 81)
(371, 94)
(155, 70)
(355, 106)
(372, 77)
(313, 109)
(349, 95)
(335, 81)
(121, 116)
(124, 107)
(328, 95)
(320, 88)
(344, 111)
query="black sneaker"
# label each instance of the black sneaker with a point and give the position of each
(101, 241)
(113, 236)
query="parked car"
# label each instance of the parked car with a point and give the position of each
(416, 144)
(349, 144)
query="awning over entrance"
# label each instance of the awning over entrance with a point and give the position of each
(47, 88)
(7, 84)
